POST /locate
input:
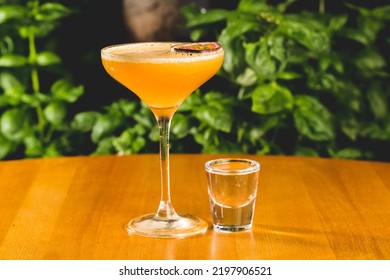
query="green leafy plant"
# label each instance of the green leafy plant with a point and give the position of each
(123, 127)
(296, 82)
(36, 93)
(34, 119)
(303, 83)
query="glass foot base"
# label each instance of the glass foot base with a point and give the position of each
(152, 226)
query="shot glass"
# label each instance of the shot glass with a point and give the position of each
(232, 188)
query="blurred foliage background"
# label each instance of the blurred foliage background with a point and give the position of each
(299, 78)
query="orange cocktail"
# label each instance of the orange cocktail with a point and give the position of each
(160, 75)
(163, 75)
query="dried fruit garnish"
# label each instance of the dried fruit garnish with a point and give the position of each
(197, 47)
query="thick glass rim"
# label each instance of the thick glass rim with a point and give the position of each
(253, 166)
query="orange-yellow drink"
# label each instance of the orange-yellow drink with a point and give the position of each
(160, 75)
(163, 75)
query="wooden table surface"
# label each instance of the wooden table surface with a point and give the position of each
(307, 208)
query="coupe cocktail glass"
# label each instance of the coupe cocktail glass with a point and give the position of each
(163, 75)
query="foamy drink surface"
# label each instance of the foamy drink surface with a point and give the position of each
(163, 74)
(158, 53)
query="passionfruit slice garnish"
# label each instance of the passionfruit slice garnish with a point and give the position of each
(196, 47)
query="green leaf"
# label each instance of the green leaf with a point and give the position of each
(34, 147)
(231, 38)
(370, 27)
(348, 153)
(312, 119)
(6, 147)
(154, 134)
(370, 60)
(289, 75)
(139, 129)
(52, 11)
(34, 99)
(55, 112)
(219, 118)
(255, 134)
(9, 12)
(191, 102)
(374, 131)
(3, 101)
(145, 117)
(305, 151)
(314, 39)
(333, 61)
(7, 44)
(234, 57)
(355, 35)
(190, 10)
(378, 99)
(47, 58)
(259, 129)
(54, 149)
(224, 147)
(370, 22)
(337, 22)
(123, 107)
(271, 98)
(127, 107)
(63, 90)
(13, 60)
(38, 30)
(259, 59)
(128, 142)
(84, 121)
(246, 78)
(218, 99)
(104, 126)
(277, 48)
(9, 83)
(104, 147)
(238, 24)
(206, 136)
(349, 126)
(180, 126)
(253, 6)
(196, 34)
(208, 17)
(265, 147)
(13, 124)
(382, 13)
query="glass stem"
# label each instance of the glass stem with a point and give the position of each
(165, 209)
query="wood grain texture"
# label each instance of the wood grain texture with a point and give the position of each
(307, 208)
